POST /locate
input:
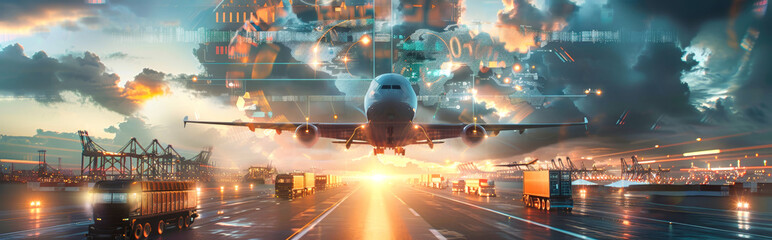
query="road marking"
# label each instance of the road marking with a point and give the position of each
(302, 232)
(414, 213)
(400, 200)
(437, 234)
(512, 216)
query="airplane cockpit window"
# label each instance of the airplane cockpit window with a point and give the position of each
(391, 87)
(386, 87)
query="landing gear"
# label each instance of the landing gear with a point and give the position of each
(377, 151)
(399, 151)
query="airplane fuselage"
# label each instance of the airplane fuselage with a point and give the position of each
(390, 106)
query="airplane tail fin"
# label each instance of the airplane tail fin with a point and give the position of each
(185, 121)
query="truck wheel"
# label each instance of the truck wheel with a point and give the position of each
(180, 223)
(161, 226)
(188, 221)
(137, 231)
(146, 230)
(547, 205)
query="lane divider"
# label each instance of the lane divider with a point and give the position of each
(437, 234)
(400, 200)
(310, 225)
(414, 213)
(573, 234)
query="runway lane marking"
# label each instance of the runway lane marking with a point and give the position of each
(414, 213)
(310, 225)
(400, 200)
(437, 234)
(573, 234)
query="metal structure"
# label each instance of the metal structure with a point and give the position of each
(43, 169)
(133, 161)
(469, 169)
(636, 171)
(567, 165)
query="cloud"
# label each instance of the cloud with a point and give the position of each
(117, 55)
(520, 20)
(45, 78)
(22, 17)
(639, 14)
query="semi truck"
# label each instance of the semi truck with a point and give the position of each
(294, 185)
(327, 181)
(128, 209)
(480, 187)
(548, 189)
(458, 186)
(433, 181)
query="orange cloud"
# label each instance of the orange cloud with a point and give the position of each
(147, 85)
(514, 39)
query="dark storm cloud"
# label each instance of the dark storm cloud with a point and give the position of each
(687, 16)
(45, 78)
(647, 86)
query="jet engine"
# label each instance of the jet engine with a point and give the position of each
(473, 134)
(307, 134)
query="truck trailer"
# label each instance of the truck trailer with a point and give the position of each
(327, 182)
(294, 185)
(458, 186)
(128, 209)
(437, 181)
(480, 187)
(548, 189)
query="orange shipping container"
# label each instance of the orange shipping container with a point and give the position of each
(536, 183)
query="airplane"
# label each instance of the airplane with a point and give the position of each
(518, 164)
(390, 107)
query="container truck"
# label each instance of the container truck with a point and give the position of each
(547, 189)
(480, 187)
(458, 186)
(322, 182)
(294, 185)
(327, 181)
(437, 181)
(425, 180)
(309, 183)
(128, 209)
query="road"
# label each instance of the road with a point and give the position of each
(392, 210)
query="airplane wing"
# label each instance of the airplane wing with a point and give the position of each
(444, 131)
(340, 131)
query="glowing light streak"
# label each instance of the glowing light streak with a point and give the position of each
(700, 153)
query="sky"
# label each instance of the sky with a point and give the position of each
(66, 66)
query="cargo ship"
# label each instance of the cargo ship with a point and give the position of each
(260, 175)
